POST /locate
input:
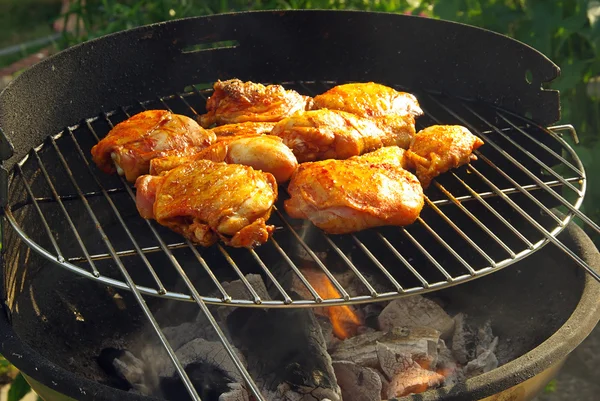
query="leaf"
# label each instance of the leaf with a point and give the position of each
(571, 74)
(18, 389)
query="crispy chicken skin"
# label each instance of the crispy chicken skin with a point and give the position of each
(344, 196)
(131, 144)
(264, 152)
(234, 101)
(439, 148)
(330, 134)
(249, 128)
(393, 111)
(205, 201)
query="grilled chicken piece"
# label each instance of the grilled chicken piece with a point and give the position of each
(234, 101)
(264, 152)
(344, 196)
(249, 128)
(205, 201)
(330, 134)
(439, 148)
(394, 112)
(131, 144)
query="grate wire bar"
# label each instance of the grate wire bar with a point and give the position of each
(473, 192)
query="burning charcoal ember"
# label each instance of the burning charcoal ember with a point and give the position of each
(344, 318)
(130, 371)
(286, 353)
(418, 342)
(485, 357)
(416, 311)
(447, 366)
(405, 375)
(211, 383)
(357, 383)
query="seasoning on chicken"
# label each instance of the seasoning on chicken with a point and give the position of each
(249, 128)
(131, 144)
(394, 112)
(264, 152)
(205, 201)
(330, 134)
(439, 148)
(234, 101)
(344, 196)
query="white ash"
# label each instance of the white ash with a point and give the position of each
(416, 311)
(447, 365)
(485, 357)
(418, 342)
(357, 382)
(461, 339)
(405, 375)
(212, 352)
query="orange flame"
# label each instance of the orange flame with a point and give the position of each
(344, 319)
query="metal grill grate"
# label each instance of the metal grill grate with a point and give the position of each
(524, 189)
(477, 220)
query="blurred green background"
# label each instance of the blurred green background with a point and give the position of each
(566, 31)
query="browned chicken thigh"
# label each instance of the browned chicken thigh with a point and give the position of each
(344, 196)
(205, 201)
(131, 144)
(249, 128)
(264, 152)
(394, 112)
(439, 148)
(234, 101)
(330, 134)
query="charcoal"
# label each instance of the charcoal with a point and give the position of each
(286, 353)
(405, 375)
(446, 365)
(238, 290)
(211, 383)
(357, 383)
(461, 339)
(485, 357)
(127, 371)
(416, 311)
(420, 342)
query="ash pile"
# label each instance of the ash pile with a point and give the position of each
(351, 353)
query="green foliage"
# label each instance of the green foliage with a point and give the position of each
(18, 389)
(566, 31)
(551, 386)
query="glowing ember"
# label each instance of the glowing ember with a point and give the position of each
(344, 319)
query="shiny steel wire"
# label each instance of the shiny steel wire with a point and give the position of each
(575, 182)
(85, 264)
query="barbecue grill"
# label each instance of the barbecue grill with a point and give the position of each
(524, 189)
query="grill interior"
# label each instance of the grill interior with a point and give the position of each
(477, 220)
(523, 190)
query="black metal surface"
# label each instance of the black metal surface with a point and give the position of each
(554, 316)
(415, 52)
